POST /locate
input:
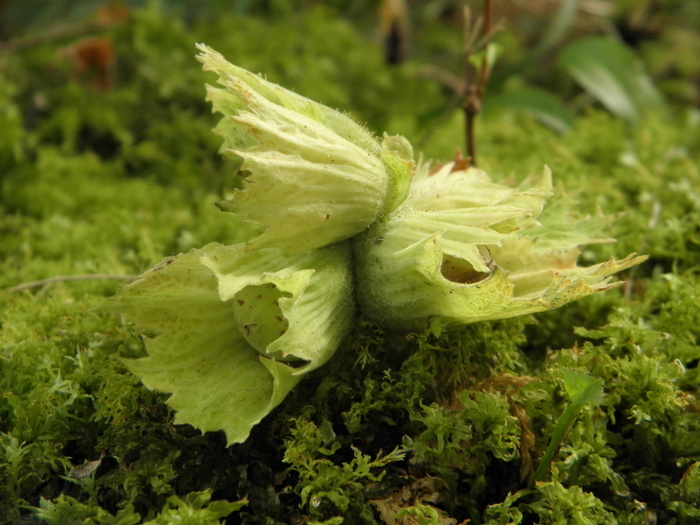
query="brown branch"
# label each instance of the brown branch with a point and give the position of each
(472, 107)
(63, 278)
(475, 80)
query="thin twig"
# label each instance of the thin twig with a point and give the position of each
(63, 278)
(59, 33)
(485, 72)
(475, 80)
(471, 33)
(473, 42)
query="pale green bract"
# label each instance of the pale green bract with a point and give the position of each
(306, 166)
(463, 249)
(338, 217)
(212, 309)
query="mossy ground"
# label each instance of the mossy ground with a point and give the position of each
(425, 428)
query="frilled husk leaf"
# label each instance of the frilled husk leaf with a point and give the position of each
(459, 250)
(312, 176)
(201, 352)
(291, 308)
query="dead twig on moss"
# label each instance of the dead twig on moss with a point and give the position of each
(64, 278)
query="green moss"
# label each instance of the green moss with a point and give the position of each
(193, 509)
(428, 425)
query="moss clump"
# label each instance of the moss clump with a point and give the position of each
(439, 427)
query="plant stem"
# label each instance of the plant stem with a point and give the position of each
(475, 82)
(471, 109)
(587, 390)
(560, 430)
(61, 278)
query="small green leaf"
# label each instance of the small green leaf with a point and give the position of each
(613, 74)
(491, 53)
(542, 105)
(582, 388)
(690, 482)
